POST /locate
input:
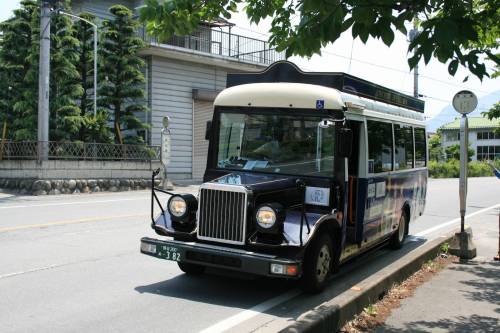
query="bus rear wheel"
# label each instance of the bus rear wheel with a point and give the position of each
(191, 269)
(317, 265)
(398, 238)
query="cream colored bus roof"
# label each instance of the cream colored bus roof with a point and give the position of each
(280, 95)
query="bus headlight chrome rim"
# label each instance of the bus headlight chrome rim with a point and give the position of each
(266, 217)
(270, 218)
(177, 206)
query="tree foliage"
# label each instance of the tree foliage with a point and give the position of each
(453, 152)
(494, 112)
(458, 32)
(122, 91)
(65, 86)
(436, 152)
(15, 50)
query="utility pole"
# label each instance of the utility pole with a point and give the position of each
(44, 83)
(412, 35)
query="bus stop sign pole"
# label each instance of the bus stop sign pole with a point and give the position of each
(462, 246)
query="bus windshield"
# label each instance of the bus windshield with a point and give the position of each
(284, 144)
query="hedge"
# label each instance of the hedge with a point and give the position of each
(451, 169)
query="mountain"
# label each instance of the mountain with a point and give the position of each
(448, 114)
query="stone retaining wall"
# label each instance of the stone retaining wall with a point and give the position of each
(62, 169)
(72, 186)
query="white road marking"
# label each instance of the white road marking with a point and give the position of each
(250, 313)
(75, 203)
(30, 271)
(446, 224)
(238, 318)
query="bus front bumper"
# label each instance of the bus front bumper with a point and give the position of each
(221, 257)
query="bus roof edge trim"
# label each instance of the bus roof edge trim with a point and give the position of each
(285, 71)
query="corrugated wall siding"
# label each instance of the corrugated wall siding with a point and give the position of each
(172, 82)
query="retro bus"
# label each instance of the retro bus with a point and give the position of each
(305, 171)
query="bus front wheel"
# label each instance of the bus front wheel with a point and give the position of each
(317, 264)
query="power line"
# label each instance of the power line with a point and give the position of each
(406, 72)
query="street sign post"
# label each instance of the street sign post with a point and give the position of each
(464, 103)
(165, 152)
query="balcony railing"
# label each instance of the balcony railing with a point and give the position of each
(31, 150)
(222, 43)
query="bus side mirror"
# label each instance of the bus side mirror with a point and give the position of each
(208, 130)
(344, 142)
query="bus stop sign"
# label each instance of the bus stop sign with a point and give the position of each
(465, 102)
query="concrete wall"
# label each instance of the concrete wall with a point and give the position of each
(76, 169)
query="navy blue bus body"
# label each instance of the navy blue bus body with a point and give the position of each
(381, 200)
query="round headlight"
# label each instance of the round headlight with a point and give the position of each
(266, 217)
(177, 206)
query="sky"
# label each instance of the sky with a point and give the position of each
(374, 61)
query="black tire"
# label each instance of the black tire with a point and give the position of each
(398, 238)
(318, 263)
(191, 269)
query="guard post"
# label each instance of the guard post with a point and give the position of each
(165, 152)
(462, 246)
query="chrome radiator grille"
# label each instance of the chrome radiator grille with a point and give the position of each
(222, 215)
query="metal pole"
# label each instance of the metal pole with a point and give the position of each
(44, 83)
(415, 81)
(464, 159)
(497, 258)
(95, 71)
(413, 34)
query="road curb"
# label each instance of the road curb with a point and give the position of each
(330, 316)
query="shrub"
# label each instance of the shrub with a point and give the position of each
(451, 169)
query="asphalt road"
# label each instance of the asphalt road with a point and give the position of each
(72, 263)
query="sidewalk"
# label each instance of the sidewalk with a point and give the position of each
(461, 298)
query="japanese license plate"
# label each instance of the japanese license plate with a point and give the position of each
(169, 252)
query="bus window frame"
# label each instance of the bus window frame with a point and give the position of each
(393, 170)
(213, 150)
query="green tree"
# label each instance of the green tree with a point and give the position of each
(65, 85)
(122, 90)
(15, 86)
(453, 152)
(435, 149)
(94, 129)
(461, 32)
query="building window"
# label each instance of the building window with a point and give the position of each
(488, 135)
(488, 152)
(452, 136)
(379, 146)
(420, 148)
(403, 137)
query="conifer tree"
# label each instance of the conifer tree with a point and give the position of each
(93, 129)
(65, 87)
(17, 98)
(122, 91)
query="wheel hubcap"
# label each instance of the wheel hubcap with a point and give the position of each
(401, 229)
(323, 263)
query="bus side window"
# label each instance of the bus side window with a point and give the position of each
(379, 146)
(420, 150)
(403, 137)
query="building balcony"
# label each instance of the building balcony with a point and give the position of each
(216, 42)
